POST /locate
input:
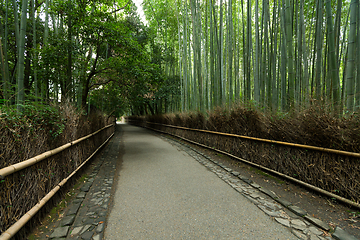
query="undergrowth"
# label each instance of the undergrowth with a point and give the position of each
(33, 118)
(313, 126)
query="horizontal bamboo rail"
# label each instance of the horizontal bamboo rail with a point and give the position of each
(13, 229)
(307, 185)
(328, 150)
(31, 161)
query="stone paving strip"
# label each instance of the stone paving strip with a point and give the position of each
(302, 225)
(86, 216)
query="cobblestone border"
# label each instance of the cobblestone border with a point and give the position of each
(301, 224)
(86, 215)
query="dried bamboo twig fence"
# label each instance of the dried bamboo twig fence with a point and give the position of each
(10, 232)
(300, 146)
(27, 163)
(328, 150)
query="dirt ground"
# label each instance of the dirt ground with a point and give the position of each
(321, 207)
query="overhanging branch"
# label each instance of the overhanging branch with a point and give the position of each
(116, 10)
(99, 84)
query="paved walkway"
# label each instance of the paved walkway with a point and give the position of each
(147, 187)
(163, 193)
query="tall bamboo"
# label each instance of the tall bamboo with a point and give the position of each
(257, 57)
(247, 55)
(68, 80)
(195, 47)
(318, 50)
(34, 55)
(273, 61)
(290, 59)
(20, 73)
(334, 72)
(266, 56)
(237, 54)
(337, 28)
(4, 36)
(221, 54)
(305, 82)
(284, 100)
(244, 70)
(212, 57)
(350, 66)
(181, 73)
(230, 52)
(206, 58)
(16, 22)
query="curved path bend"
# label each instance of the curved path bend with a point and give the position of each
(163, 193)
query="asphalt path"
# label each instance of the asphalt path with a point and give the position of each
(163, 193)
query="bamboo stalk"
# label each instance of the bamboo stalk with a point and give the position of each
(10, 232)
(328, 150)
(31, 161)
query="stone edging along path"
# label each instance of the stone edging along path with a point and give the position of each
(86, 215)
(302, 224)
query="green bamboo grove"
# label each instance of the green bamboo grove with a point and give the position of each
(282, 55)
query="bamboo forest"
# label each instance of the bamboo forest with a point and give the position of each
(264, 95)
(280, 55)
